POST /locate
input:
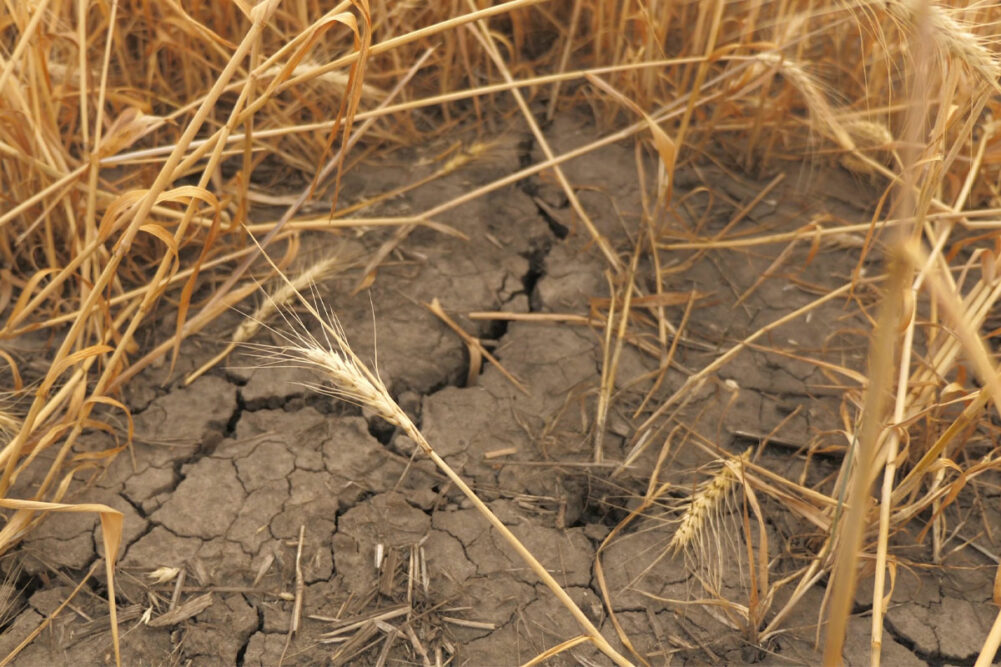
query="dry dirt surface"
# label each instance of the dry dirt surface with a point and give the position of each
(259, 491)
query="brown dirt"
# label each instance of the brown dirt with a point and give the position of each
(226, 471)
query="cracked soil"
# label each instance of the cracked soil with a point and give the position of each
(226, 472)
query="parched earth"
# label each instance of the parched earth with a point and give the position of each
(247, 483)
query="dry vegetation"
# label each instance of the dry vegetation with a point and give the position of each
(138, 137)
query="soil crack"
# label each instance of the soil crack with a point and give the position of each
(932, 658)
(234, 418)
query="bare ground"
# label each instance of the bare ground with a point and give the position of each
(225, 473)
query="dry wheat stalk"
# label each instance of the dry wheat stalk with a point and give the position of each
(350, 379)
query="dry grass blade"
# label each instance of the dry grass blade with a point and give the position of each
(607, 373)
(189, 609)
(556, 650)
(611, 354)
(300, 589)
(355, 645)
(349, 625)
(474, 345)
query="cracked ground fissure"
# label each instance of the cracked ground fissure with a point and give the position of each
(227, 470)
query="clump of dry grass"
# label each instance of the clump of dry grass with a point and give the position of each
(925, 181)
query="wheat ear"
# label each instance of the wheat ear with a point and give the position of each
(250, 326)
(951, 35)
(705, 503)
